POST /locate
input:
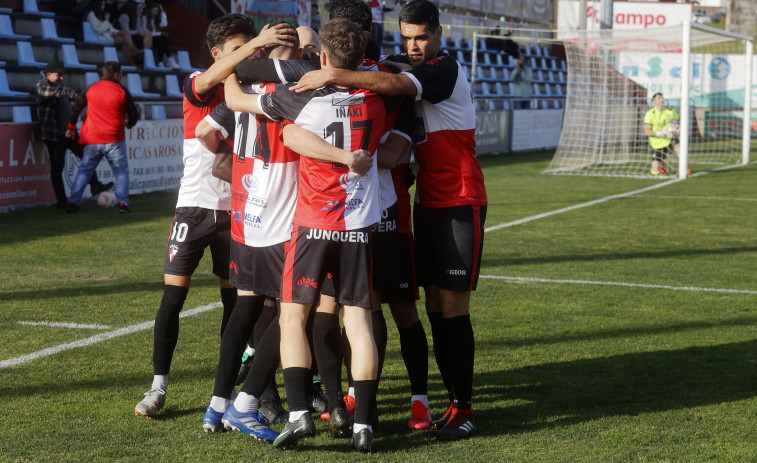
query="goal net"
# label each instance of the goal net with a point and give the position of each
(611, 79)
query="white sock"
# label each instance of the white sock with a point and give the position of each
(351, 391)
(246, 403)
(160, 382)
(219, 404)
(356, 428)
(296, 415)
(249, 351)
(422, 398)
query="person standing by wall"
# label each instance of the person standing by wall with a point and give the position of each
(522, 78)
(110, 107)
(53, 108)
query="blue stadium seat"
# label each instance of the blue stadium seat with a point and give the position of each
(91, 37)
(111, 54)
(149, 62)
(451, 44)
(134, 84)
(391, 38)
(158, 111)
(465, 44)
(22, 114)
(485, 74)
(71, 59)
(30, 7)
(184, 64)
(49, 32)
(6, 10)
(5, 90)
(6, 30)
(90, 78)
(498, 90)
(397, 37)
(26, 55)
(172, 87)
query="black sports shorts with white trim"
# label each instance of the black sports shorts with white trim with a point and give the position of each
(448, 246)
(257, 269)
(194, 229)
(313, 253)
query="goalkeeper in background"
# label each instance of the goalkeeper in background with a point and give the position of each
(661, 126)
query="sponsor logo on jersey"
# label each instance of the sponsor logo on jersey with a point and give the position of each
(383, 227)
(172, 250)
(338, 236)
(349, 181)
(307, 282)
(462, 272)
(250, 183)
(246, 218)
(349, 100)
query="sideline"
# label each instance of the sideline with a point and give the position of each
(65, 325)
(618, 283)
(100, 337)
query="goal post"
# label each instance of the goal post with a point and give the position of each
(704, 75)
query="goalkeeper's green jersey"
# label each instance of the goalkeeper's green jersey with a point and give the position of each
(658, 120)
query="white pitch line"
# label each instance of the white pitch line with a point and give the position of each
(99, 337)
(708, 198)
(619, 283)
(65, 325)
(580, 206)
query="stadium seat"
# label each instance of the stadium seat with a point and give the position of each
(111, 54)
(6, 30)
(2, 64)
(184, 64)
(479, 91)
(485, 74)
(49, 32)
(465, 44)
(22, 114)
(481, 105)
(451, 44)
(499, 90)
(544, 104)
(90, 78)
(158, 111)
(149, 62)
(391, 38)
(91, 37)
(71, 59)
(134, 83)
(172, 87)
(502, 74)
(6, 10)
(26, 55)
(5, 90)
(30, 7)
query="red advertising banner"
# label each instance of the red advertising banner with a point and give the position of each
(24, 167)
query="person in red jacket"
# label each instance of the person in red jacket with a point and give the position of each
(110, 107)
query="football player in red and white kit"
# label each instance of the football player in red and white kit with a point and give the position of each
(334, 213)
(202, 210)
(450, 189)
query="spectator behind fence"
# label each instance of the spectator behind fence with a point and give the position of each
(100, 21)
(53, 108)
(154, 20)
(109, 107)
(522, 78)
(129, 20)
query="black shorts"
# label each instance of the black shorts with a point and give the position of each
(384, 249)
(313, 253)
(194, 229)
(405, 288)
(257, 269)
(448, 246)
(660, 154)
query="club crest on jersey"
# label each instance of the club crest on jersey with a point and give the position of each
(250, 183)
(172, 250)
(349, 181)
(333, 206)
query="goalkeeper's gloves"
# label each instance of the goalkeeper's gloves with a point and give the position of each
(660, 134)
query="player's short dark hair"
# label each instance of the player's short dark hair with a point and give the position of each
(222, 29)
(110, 69)
(344, 42)
(655, 95)
(421, 12)
(356, 11)
(268, 50)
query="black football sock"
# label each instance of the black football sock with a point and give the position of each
(229, 300)
(327, 347)
(242, 319)
(365, 400)
(460, 330)
(441, 351)
(298, 382)
(264, 364)
(414, 347)
(166, 332)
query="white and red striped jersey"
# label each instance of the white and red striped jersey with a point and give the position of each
(199, 188)
(329, 195)
(445, 136)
